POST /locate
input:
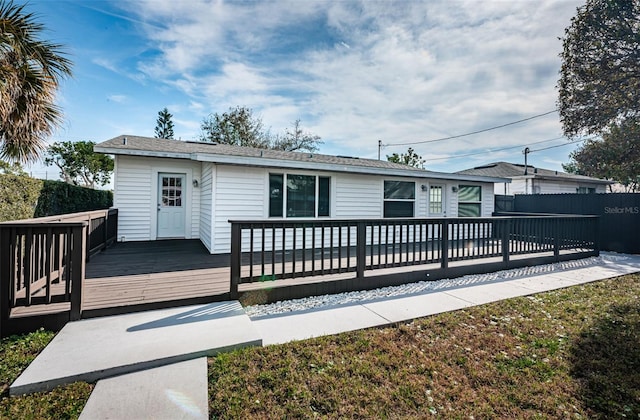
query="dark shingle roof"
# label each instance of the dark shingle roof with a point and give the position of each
(514, 170)
(190, 147)
(136, 145)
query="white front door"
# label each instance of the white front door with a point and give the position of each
(171, 205)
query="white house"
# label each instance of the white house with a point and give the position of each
(180, 189)
(532, 180)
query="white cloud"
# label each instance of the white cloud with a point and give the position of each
(398, 72)
(118, 98)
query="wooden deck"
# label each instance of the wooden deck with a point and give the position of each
(136, 275)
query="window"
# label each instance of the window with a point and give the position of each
(435, 199)
(469, 201)
(304, 195)
(399, 198)
(585, 190)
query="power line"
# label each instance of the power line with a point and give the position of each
(558, 145)
(473, 132)
(509, 148)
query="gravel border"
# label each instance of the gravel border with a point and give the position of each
(314, 302)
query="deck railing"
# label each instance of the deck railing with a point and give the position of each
(42, 261)
(273, 250)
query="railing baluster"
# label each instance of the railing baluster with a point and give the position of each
(304, 250)
(48, 268)
(262, 250)
(313, 249)
(339, 248)
(322, 247)
(349, 265)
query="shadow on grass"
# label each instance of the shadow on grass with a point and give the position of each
(606, 362)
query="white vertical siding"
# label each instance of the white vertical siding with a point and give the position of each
(136, 189)
(239, 193)
(206, 214)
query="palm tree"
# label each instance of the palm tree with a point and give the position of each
(30, 73)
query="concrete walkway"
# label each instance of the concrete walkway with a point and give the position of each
(124, 353)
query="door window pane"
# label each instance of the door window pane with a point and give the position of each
(171, 191)
(435, 199)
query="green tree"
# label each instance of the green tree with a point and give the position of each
(600, 76)
(79, 164)
(30, 73)
(238, 126)
(410, 158)
(296, 140)
(12, 168)
(164, 125)
(615, 157)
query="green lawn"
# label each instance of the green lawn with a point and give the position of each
(571, 353)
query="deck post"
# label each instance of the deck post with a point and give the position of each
(361, 254)
(444, 244)
(506, 234)
(5, 275)
(236, 254)
(78, 263)
(105, 230)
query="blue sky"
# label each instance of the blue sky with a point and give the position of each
(352, 72)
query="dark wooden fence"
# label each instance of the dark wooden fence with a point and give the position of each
(42, 262)
(619, 228)
(266, 251)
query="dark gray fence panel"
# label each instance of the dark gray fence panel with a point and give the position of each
(619, 215)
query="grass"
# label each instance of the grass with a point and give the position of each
(63, 402)
(571, 353)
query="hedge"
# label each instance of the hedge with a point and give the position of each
(22, 197)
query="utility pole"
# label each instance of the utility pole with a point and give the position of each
(526, 152)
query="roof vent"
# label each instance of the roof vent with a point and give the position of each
(347, 157)
(124, 141)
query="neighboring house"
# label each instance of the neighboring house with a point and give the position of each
(532, 180)
(179, 189)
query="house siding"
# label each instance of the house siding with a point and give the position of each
(542, 186)
(357, 196)
(136, 184)
(239, 193)
(232, 192)
(206, 213)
